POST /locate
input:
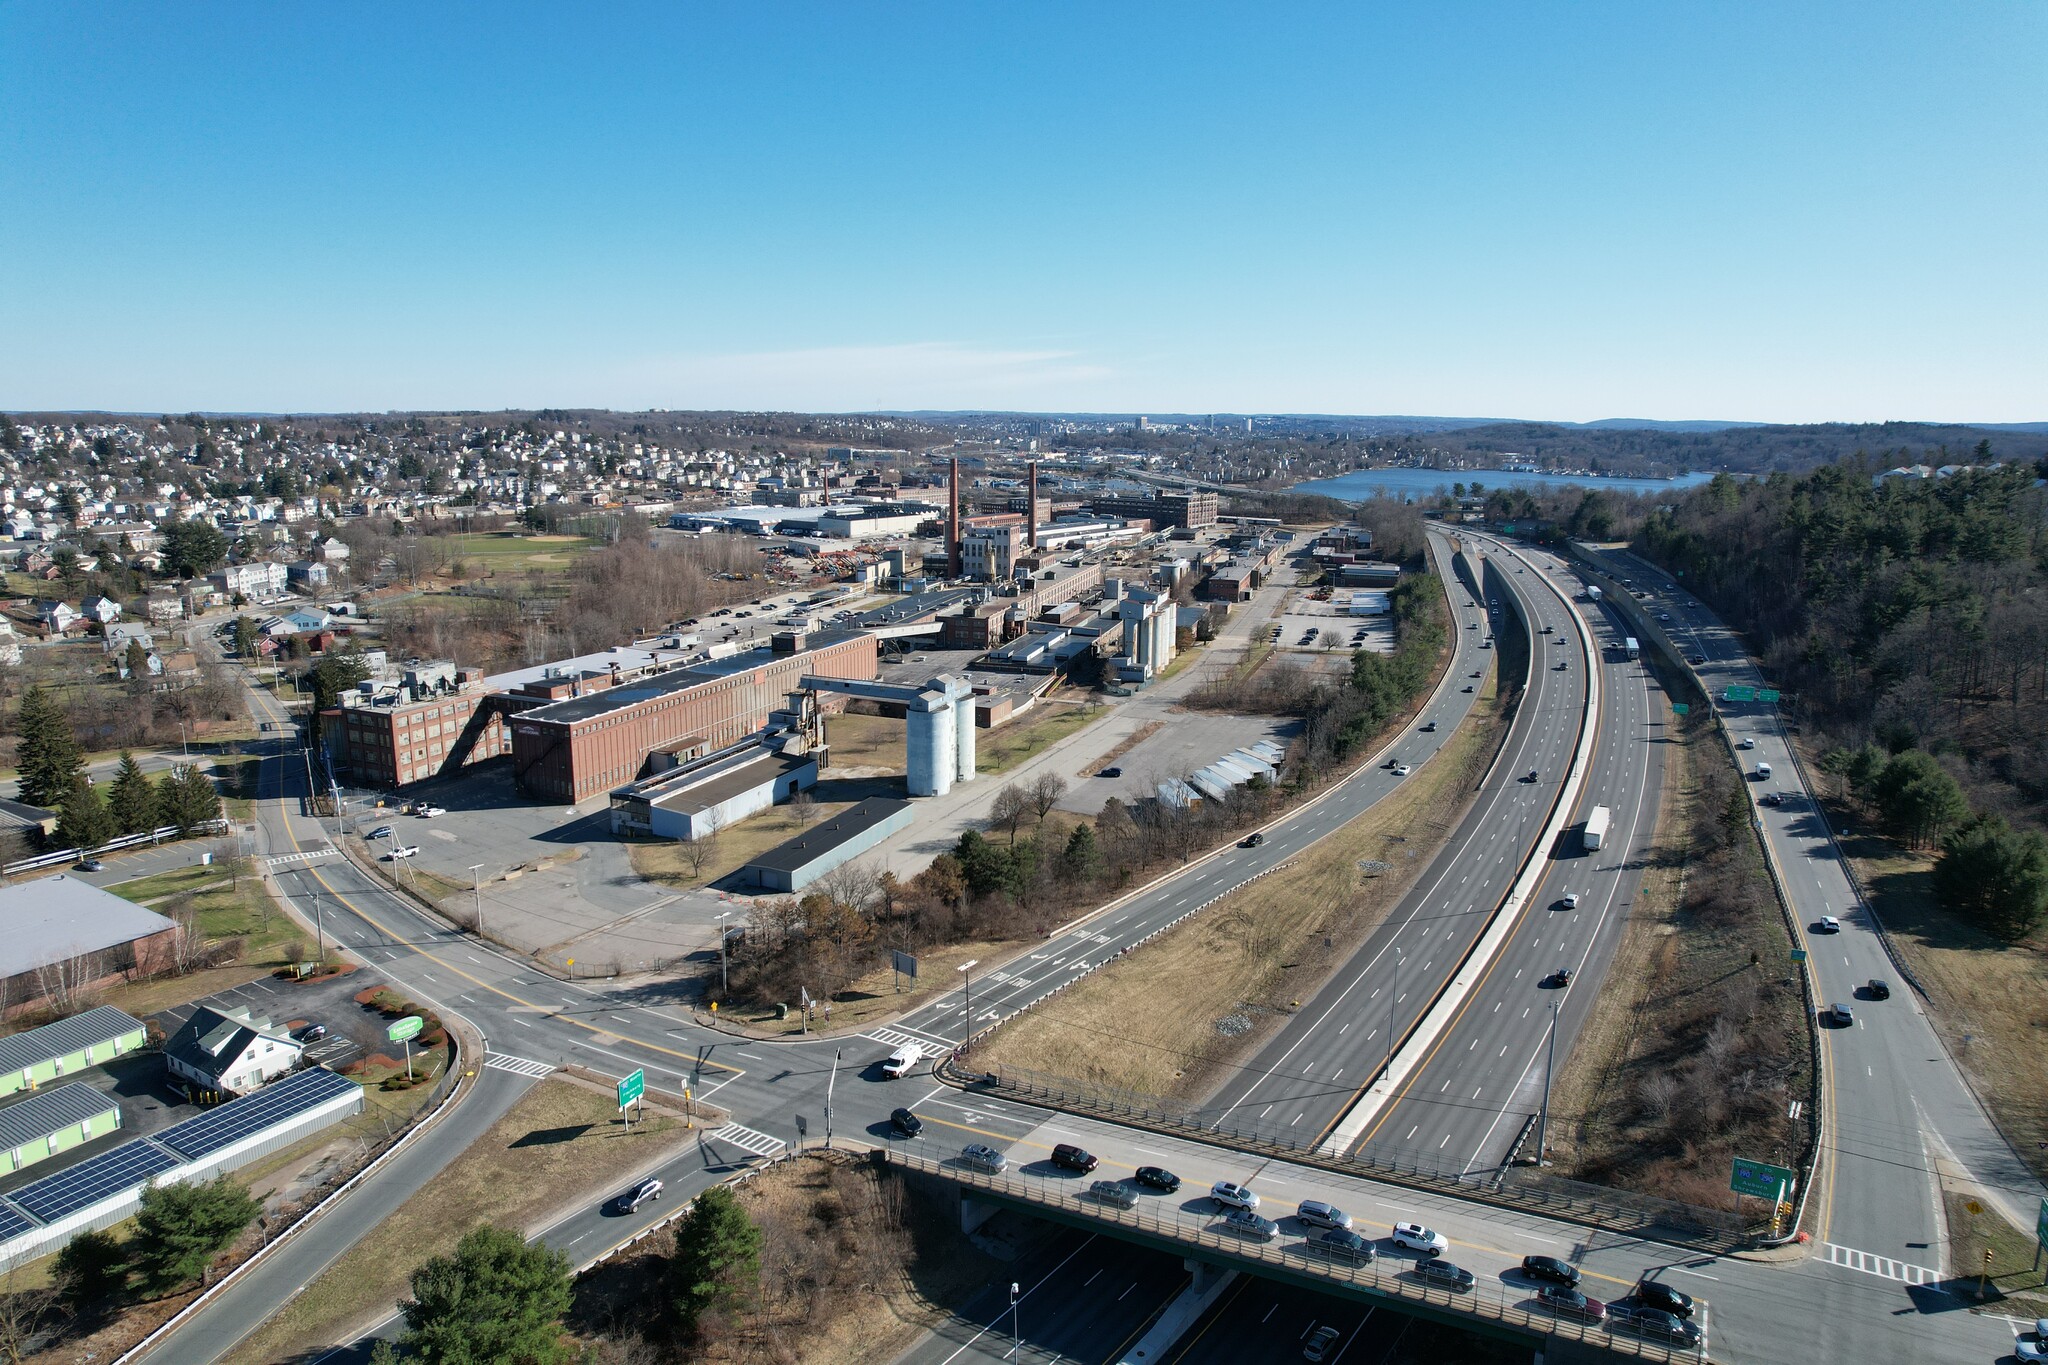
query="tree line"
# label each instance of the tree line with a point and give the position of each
(52, 776)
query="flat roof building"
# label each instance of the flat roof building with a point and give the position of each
(66, 935)
(796, 864)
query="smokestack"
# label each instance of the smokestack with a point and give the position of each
(953, 520)
(1031, 507)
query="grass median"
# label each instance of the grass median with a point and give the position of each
(1178, 1016)
(561, 1141)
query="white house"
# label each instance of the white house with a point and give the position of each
(104, 610)
(259, 581)
(230, 1050)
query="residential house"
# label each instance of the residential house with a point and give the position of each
(258, 581)
(58, 617)
(164, 608)
(330, 551)
(120, 635)
(104, 610)
(231, 1050)
(297, 622)
(310, 575)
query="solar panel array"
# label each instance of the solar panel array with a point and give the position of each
(13, 1222)
(94, 1179)
(275, 1103)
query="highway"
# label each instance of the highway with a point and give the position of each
(1302, 1082)
(1484, 1076)
(1895, 1099)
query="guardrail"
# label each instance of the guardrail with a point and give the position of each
(1523, 1189)
(1494, 1303)
(162, 834)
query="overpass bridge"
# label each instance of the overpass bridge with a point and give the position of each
(1204, 1241)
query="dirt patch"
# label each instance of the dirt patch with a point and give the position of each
(1188, 1008)
(855, 1265)
(1045, 725)
(667, 861)
(2009, 1279)
(1698, 1045)
(562, 1141)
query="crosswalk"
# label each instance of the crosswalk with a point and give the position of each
(889, 1037)
(747, 1140)
(518, 1066)
(304, 855)
(1884, 1267)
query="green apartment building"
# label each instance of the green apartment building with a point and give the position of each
(67, 1047)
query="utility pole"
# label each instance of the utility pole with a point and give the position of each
(723, 989)
(831, 1081)
(1016, 1338)
(967, 998)
(319, 932)
(1549, 1065)
(1393, 995)
(476, 891)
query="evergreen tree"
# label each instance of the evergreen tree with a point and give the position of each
(245, 637)
(1918, 798)
(48, 753)
(496, 1299)
(185, 797)
(1994, 876)
(92, 1267)
(192, 548)
(136, 661)
(182, 1227)
(130, 799)
(717, 1261)
(82, 820)
(1081, 860)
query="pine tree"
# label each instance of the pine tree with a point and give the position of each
(130, 799)
(185, 797)
(181, 1227)
(136, 662)
(717, 1261)
(495, 1299)
(48, 752)
(83, 821)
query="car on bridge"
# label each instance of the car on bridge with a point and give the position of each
(1157, 1178)
(1114, 1192)
(1552, 1269)
(1069, 1157)
(906, 1123)
(1415, 1237)
(983, 1157)
(1570, 1303)
(1659, 1295)
(1230, 1195)
(1245, 1223)
(1452, 1277)
(1342, 1244)
(1315, 1213)
(1645, 1321)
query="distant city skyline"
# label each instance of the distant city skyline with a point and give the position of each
(1733, 212)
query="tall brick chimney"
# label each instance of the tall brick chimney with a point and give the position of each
(1031, 507)
(953, 520)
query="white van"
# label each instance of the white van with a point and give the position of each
(1763, 770)
(902, 1060)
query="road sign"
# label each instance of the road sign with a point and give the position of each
(1679, 708)
(904, 963)
(632, 1088)
(2041, 1224)
(408, 1027)
(1739, 693)
(1767, 694)
(1759, 1178)
(1799, 954)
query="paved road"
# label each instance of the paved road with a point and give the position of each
(1896, 1100)
(1484, 1077)
(1302, 1082)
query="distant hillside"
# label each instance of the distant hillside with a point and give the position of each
(1746, 450)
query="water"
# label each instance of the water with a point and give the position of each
(1363, 483)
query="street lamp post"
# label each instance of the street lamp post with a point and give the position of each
(723, 988)
(476, 891)
(967, 1000)
(1549, 1065)
(1393, 995)
(319, 933)
(830, 1082)
(1016, 1338)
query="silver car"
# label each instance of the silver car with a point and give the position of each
(1245, 1223)
(1315, 1213)
(983, 1157)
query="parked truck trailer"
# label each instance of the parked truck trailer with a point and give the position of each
(1596, 827)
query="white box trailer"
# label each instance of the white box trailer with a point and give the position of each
(1634, 650)
(1596, 827)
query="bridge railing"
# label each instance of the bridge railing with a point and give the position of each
(1524, 1189)
(1499, 1303)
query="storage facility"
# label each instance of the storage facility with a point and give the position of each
(67, 1047)
(715, 793)
(50, 1121)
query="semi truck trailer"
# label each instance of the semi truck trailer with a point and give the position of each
(1596, 827)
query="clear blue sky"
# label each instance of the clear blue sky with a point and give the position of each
(1778, 212)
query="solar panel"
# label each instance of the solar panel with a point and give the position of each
(13, 1222)
(94, 1179)
(237, 1119)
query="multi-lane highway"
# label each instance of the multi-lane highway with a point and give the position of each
(1312, 1072)
(1483, 1077)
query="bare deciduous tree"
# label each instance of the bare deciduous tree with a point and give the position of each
(1011, 805)
(1045, 793)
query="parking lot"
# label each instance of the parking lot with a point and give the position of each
(1336, 629)
(353, 1030)
(1192, 740)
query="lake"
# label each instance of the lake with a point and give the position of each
(1363, 483)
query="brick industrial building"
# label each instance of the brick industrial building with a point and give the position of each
(1190, 509)
(586, 745)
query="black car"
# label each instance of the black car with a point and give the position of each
(906, 1123)
(1879, 990)
(1111, 772)
(1073, 1158)
(1696, 659)
(1559, 979)
(1570, 1303)
(1252, 840)
(1440, 1271)
(1552, 1269)
(1157, 1178)
(1342, 1244)
(1646, 1321)
(1659, 1295)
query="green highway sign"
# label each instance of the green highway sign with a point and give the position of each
(1739, 694)
(1799, 954)
(1679, 708)
(1767, 694)
(632, 1088)
(1759, 1178)
(408, 1027)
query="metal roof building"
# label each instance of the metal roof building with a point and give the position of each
(52, 1120)
(67, 1046)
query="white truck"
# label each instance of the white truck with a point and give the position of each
(902, 1060)
(1633, 650)
(1596, 828)
(1592, 592)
